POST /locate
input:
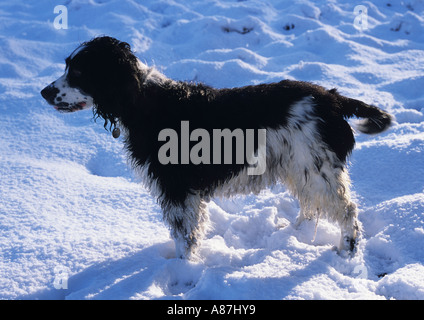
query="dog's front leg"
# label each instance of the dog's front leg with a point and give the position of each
(186, 223)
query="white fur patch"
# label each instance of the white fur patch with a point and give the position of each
(151, 74)
(69, 98)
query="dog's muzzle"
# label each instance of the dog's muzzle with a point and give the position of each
(50, 93)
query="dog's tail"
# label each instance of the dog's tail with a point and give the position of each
(375, 119)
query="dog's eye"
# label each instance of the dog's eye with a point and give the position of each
(76, 73)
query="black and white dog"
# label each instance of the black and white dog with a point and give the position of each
(307, 138)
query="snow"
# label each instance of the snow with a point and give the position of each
(75, 223)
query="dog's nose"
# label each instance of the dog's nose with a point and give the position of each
(49, 93)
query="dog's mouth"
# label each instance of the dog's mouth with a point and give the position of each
(68, 107)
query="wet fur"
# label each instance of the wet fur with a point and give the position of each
(308, 137)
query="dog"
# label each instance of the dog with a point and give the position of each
(306, 145)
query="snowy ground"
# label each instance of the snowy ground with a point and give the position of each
(71, 210)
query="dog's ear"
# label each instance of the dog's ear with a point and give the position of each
(119, 100)
(130, 88)
(120, 87)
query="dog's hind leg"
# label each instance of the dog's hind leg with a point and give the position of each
(349, 228)
(187, 223)
(325, 190)
(338, 206)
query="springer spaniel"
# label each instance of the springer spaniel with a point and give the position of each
(291, 132)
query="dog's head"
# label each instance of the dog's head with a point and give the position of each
(100, 73)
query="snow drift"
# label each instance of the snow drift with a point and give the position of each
(75, 223)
